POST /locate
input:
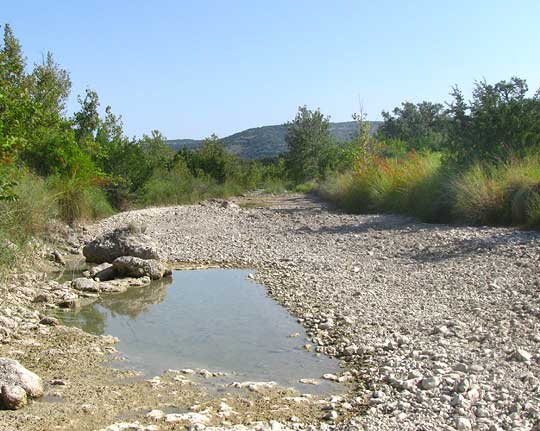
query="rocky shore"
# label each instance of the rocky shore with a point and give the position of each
(438, 325)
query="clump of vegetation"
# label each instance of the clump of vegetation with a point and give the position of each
(475, 162)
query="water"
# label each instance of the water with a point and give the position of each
(215, 319)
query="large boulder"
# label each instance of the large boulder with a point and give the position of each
(13, 378)
(129, 266)
(120, 242)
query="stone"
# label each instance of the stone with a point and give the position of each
(58, 258)
(136, 267)
(191, 417)
(12, 397)
(331, 377)
(428, 383)
(85, 285)
(522, 355)
(332, 415)
(463, 424)
(12, 373)
(309, 381)
(120, 242)
(50, 321)
(155, 415)
(102, 272)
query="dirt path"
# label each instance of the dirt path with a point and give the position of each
(441, 323)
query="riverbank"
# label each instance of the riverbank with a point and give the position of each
(440, 323)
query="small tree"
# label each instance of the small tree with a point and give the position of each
(308, 139)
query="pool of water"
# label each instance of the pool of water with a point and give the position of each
(215, 319)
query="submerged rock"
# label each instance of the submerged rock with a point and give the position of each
(120, 242)
(14, 380)
(136, 267)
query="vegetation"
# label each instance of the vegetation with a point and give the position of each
(475, 162)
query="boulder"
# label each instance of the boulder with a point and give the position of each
(136, 267)
(12, 373)
(120, 242)
(85, 285)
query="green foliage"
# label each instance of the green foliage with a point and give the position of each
(309, 144)
(409, 185)
(421, 126)
(499, 122)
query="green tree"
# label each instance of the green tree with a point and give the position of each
(308, 141)
(421, 126)
(86, 121)
(501, 120)
(15, 103)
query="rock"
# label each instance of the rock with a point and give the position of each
(331, 377)
(230, 205)
(463, 424)
(102, 272)
(122, 284)
(522, 355)
(85, 285)
(12, 397)
(69, 303)
(155, 415)
(58, 258)
(136, 267)
(331, 416)
(120, 242)
(50, 321)
(428, 383)
(12, 373)
(309, 381)
(254, 386)
(191, 417)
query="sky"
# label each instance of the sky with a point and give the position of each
(193, 68)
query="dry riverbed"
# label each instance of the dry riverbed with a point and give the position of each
(438, 325)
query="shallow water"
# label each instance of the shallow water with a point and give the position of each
(216, 319)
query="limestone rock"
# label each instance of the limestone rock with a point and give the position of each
(120, 242)
(136, 267)
(12, 397)
(12, 373)
(102, 272)
(85, 285)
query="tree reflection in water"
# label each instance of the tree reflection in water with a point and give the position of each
(136, 300)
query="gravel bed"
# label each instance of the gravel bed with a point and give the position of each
(440, 322)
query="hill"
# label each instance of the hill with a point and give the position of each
(268, 141)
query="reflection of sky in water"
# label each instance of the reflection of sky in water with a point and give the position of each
(214, 319)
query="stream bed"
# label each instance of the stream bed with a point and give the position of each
(214, 319)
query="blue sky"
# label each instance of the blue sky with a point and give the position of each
(192, 68)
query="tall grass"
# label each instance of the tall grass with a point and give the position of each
(504, 193)
(26, 217)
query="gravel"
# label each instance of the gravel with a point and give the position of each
(439, 323)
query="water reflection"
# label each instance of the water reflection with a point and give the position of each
(215, 319)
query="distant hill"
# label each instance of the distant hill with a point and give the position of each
(268, 141)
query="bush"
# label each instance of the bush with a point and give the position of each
(24, 217)
(409, 185)
(499, 194)
(78, 199)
